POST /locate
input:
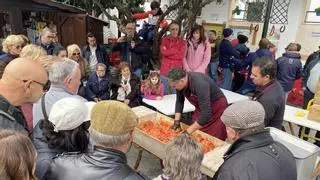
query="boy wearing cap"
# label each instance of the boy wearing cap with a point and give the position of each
(253, 153)
(227, 59)
(112, 125)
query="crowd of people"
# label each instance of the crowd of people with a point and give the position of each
(65, 112)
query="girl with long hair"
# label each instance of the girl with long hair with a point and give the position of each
(152, 88)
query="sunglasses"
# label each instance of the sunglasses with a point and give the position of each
(45, 86)
(73, 54)
(18, 47)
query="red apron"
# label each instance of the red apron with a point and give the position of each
(215, 127)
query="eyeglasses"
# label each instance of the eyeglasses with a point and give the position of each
(45, 86)
(18, 47)
(73, 54)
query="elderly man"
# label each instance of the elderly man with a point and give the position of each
(133, 49)
(253, 153)
(65, 81)
(94, 53)
(23, 81)
(112, 125)
(98, 87)
(46, 40)
(269, 92)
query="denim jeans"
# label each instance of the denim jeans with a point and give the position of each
(138, 72)
(167, 88)
(246, 88)
(213, 70)
(226, 82)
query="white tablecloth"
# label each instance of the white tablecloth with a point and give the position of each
(233, 97)
(289, 116)
(168, 103)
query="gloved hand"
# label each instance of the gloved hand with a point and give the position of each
(176, 125)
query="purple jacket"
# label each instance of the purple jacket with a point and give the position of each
(197, 59)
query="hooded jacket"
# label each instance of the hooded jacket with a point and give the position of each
(289, 68)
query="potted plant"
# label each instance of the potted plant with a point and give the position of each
(236, 10)
(317, 10)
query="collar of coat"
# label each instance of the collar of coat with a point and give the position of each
(252, 141)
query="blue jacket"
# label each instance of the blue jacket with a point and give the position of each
(48, 48)
(289, 68)
(100, 53)
(312, 60)
(96, 89)
(7, 57)
(252, 57)
(228, 55)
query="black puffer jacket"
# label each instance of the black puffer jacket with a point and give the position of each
(101, 164)
(257, 157)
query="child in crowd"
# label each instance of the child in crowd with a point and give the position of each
(152, 87)
(147, 31)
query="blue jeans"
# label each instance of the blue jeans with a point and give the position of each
(246, 88)
(213, 68)
(167, 88)
(226, 82)
(138, 72)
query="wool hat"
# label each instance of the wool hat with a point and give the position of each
(227, 32)
(244, 115)
(242, 39)
(69, 113)
(113, 118)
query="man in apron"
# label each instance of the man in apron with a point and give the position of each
(207, 98)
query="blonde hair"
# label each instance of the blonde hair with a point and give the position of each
(17, 156)
(72, 48)
(32, 51)
(10, 41)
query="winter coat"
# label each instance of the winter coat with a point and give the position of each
(137, 56)
(228, 55)
(101, 164)
(312, 60)
(11, 117)
(197, 58)
(242, 49)
(45, 154)
(257, 156)
(247, 63)
(100, 53)
(133, 96)
(97, 89)
(272, 98)
(7, 57)
(289, 68)
(49, 48)
(173, 50)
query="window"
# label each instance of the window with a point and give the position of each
(311, 14)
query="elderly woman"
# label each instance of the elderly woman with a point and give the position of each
(126, 88)
(183, 159)
(74, 53)
(12, 47)
(17, 156)
(65, 130)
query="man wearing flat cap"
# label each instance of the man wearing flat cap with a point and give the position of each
(253, 153)
(112, 125)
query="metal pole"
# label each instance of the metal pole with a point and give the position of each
(267, 18)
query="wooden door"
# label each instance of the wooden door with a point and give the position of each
(72, 29)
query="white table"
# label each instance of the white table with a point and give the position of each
(167, 104)
(289, 116)
(233, 97)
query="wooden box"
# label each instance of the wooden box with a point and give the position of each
(212, 160)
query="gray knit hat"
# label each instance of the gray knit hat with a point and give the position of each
(243, 115)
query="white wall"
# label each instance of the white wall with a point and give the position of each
(295, 14)
(215, 13)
